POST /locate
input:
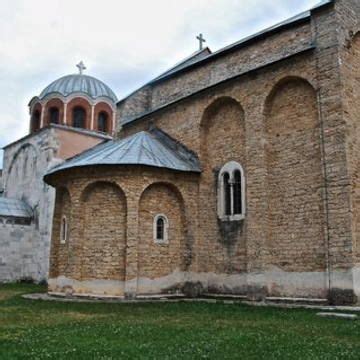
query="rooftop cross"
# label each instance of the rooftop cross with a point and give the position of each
(201, 41)
(81, 67)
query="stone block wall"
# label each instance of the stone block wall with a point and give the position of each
(349, 42)
(297, 192)
(18, 256)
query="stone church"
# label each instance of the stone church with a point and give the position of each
(233, 173)
(72, 114)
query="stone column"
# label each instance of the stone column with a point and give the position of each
(337, 182)
(65, 113)
(256, 216)
(113, 122)
(92, 117)
(43, 109)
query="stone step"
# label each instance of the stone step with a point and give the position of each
(338, 315)
(299, 301)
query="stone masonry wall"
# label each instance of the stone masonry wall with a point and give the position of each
(18, 250)
(99, 236)
(104, 233)
(286, 123)
(349, 42)
(25, 162)
(160, 260)
(326, 144)
(295, 181)
(223, 139)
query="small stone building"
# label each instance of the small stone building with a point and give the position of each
(73, 114)
(235, 172)
(16, 232)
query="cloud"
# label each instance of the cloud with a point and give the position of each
(124, 43)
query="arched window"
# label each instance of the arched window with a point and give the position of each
(227, 193)
(63, 230)
(231, 192)
(35, 121)
(237, 192)
(54, 115)
(79, 116)
(103, 122)
(161, 225)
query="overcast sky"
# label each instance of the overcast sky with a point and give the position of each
(125, 43)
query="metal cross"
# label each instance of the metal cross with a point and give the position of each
(201, 41)
(81, 67)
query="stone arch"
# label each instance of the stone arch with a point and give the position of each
(22, 170)
(35, 118)
(223, 140)
(79, 102)
(54, 103)
(103, 237)
(161, 261)
(295, 183)
(224, 120)
(59, 257)
(104, 108)
(282, 82)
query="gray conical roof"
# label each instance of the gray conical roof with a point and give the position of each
(154, 148)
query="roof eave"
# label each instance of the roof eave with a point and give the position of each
(48, 178)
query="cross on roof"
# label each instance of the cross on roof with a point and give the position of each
(201, 41)
(81, 67)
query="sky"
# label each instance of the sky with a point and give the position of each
(123, 43)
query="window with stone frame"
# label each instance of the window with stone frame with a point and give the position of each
(161, 226)
(231, 192)
(63, 230)
(79, 117)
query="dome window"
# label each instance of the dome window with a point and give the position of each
(103, 122)
(79, 116)
(35, 121)
(54, 115)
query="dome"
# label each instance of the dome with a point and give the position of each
(79, 83)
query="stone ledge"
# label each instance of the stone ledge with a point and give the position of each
(174, 298)
(338, 315)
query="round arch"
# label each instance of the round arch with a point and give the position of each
(282, 82)
(171, 186)
(98, 183)
(294, 183)
(161, 200)
(215, 106)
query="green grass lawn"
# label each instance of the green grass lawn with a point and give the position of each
(56, 330)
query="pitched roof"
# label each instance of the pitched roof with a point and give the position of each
(195, 59)
(150, 148)
(14, 208)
